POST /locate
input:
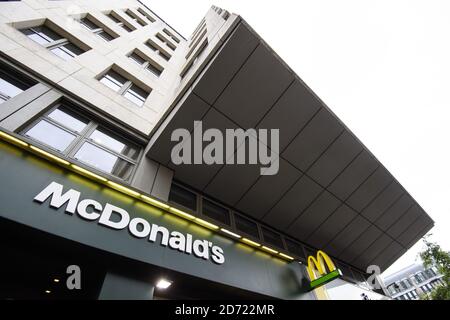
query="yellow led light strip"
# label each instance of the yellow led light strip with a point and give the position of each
(13, 139)
(250, 242)
(269, 249)
(120, 187)
(286, 256)
(206, 224)
(142, 197)
(155, 202)
(49, 155)
(230, 233)
(87, 172)
(181, 213)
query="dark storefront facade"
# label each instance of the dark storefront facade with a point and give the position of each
(40, 241)
(92, 205)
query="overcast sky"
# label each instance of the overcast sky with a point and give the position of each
(382, 66)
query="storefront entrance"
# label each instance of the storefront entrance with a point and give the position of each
(36, 265)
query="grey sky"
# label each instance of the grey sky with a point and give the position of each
(382, 66)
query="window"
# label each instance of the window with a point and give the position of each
(125, 87)
(295, 248)
(120, 22)
(158, 50)
(171, 35)
(247, 226)
(183, 197)
(419, 277)
(392, 290)
(54, 42)
(272, 237)
(145, 14)
(403, 285)
(194, 59)
(199, 26)
(429, 273)
(198, 37)
(166, 41)
(93, 27)
(80, 138)
(133, 16)
(410, 284)
(216, 212)
(12, 83)
(145, 62)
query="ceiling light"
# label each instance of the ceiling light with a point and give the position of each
(163, 284)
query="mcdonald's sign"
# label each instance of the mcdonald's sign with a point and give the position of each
(321, 270)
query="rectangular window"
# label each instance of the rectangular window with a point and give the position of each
(83, 139)
(295, 248)
(403, 284)
(194, 59)
(113, 80)
(163, 54)
(198, 35)
(410, 284)
(216, 212)
(247, 226)
(136, 95)
(272, 237)
(429, 273)
(166, 41)
(392, 290)
(183, 197)
(96, 29)
(137, 58)
(54, 42)
(133, 16)
(145, 62)
(145, 14)
(12, 83)
(120, 22)
(170, 34)
(125, 87)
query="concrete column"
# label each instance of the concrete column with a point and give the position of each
(118, 286)
(153, 178)
(28, 106)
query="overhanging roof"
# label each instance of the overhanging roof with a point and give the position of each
(330, 192)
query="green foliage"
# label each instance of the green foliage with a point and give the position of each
(434, 256)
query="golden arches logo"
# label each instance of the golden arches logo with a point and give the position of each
(318, 264)
(321, 269)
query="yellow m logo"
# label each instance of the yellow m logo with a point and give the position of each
(317, 266)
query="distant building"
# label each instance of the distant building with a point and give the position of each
(413, 281)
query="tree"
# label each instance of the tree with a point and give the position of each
(434, 256)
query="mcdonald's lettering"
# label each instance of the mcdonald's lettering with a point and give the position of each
(321, 270)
